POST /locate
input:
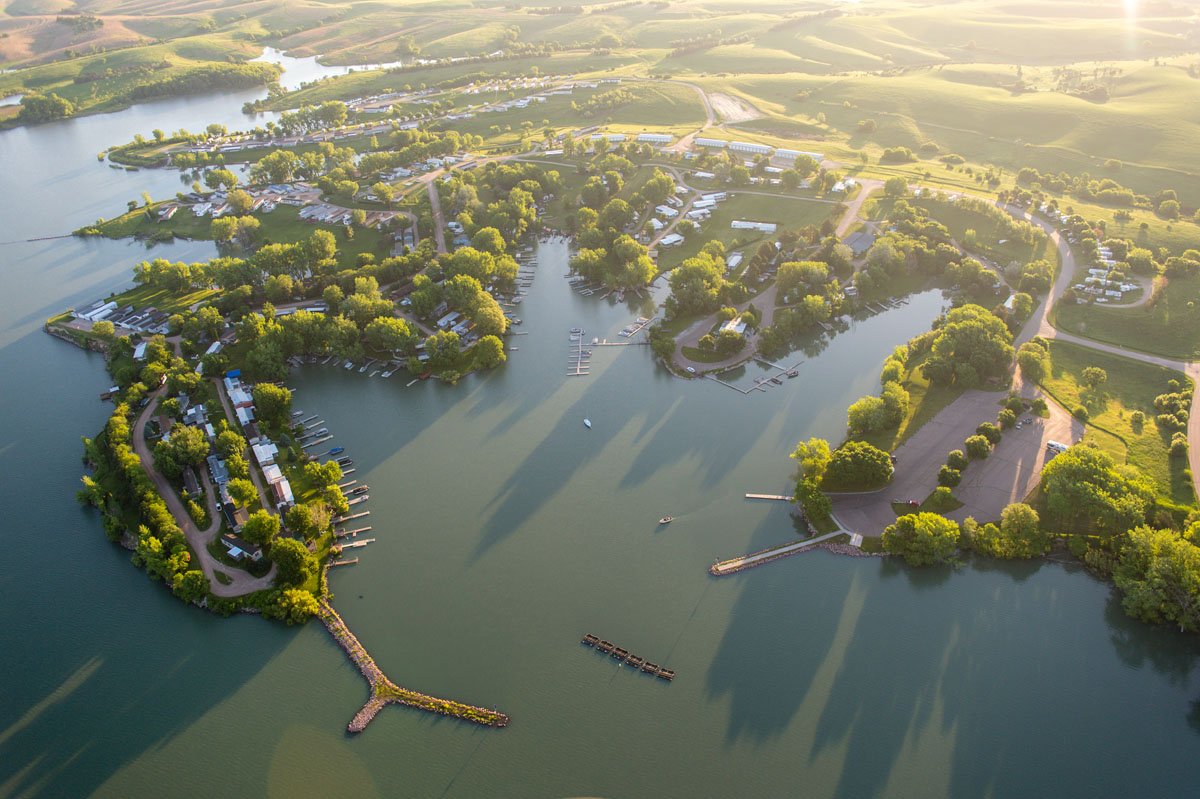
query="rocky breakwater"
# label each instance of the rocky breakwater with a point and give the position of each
(384, 691)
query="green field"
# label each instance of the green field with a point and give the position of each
(281, 226)
(1167, 325)
(787, 212)
(1131, 386)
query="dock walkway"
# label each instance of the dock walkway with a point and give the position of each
(734, 565)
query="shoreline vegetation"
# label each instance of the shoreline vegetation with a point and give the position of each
(380, 222)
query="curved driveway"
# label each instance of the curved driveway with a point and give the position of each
(240, 581)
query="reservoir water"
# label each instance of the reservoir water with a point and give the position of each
(505, 530)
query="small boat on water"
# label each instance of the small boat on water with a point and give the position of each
(587, 423)
(666, 520)
(297, 414)
(336, 450)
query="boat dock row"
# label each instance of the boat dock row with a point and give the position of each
(578, 359)
(623, 657)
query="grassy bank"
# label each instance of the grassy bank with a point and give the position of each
(1131, 386)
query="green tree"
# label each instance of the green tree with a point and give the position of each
(922, 538)
(261, 528)
(895, 186)
(1159, 573)
(489, 352)
(294, 563)
(292, 606)
(1085, 486)
(1034, 360)
(190, 586)
(949, 477)
(978, 447)
(188, 445)
(489, 240)
(1022, 306)
(242, 492)
(228, 443)
(812, 459)
(1094, 377)
(857, 464)
(273, 403)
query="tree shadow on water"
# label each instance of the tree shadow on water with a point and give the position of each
(73, 729)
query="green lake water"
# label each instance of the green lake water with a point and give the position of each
(505, 530)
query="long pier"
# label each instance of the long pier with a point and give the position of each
(734, 565)
(771, 496)
(384, 691)
(341, 519)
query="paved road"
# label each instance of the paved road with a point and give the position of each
(869, 186)
(1010, 473)
(241, 582)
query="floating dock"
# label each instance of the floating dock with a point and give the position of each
(623, 656)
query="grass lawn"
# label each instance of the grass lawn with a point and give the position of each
(1131, 386)
(1167, 325)
(924, 402)
(786, 212)
(281, 226)
(163, 300)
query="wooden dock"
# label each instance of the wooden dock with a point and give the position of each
(578, 362)
(318, 441)
(385, 692)
(734, 565)
(780, 497)
(349, 562)
(341, 519)
(623, 656)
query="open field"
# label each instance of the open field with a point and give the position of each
(1168, 324)
(1131, 386)
(787, 212)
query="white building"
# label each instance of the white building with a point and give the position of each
(764, 227)
(666, 211)
(655, 138)
(792, 155)
(750, 147)
(671, 240)
(716, 144)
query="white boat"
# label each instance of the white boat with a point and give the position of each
(587, 423)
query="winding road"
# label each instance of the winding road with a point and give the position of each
(241, 582)
(1013, 469)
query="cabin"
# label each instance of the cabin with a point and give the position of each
(240, 549)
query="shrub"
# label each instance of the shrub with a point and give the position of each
(1015, 404)
(957, 460)
(1136, 420)
(1007, 419)
(1179, 444)
(978, 447)
(949, 477)
(1080, 413)
(990, 432)
(1038, 406)
(943, 499)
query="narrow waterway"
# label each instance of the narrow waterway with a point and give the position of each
(505, 530)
